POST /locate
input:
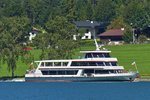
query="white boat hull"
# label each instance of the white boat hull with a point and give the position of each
(97, 78)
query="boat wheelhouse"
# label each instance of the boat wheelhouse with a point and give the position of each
(96, 54)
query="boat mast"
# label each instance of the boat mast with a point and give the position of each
(94, 35)
(96, 44)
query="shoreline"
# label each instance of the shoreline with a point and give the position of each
(23, 80)
(143, 80)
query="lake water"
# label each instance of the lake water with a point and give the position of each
(75, 91)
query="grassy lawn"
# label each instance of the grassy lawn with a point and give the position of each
(21, 67)
(125, 54)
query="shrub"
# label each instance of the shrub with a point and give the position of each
(142, 39)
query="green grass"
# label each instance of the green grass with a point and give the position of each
(125, 54)
(20, 70)
(21, 67)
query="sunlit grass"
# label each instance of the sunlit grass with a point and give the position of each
(127, 54)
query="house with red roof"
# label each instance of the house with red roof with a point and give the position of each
(113, 35)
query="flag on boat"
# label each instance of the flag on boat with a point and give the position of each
(133, 63)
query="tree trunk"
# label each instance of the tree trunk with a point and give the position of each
(12, 72)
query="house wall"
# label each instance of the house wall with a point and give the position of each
(112, 38)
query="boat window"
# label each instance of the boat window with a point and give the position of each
(114, 63)
(101, 72)
(88, 55)
(42, 64)
(100, 63)
(88, 63)
(107, 64)
(97, 55)
(79, 64)
(45, 72)
(52, 72)
(89, 71)
(57, 63)
(48, 64)
(106, 55)
(65, 63)
(100, 55)
(92, 63)
(61, 72)
(71, 72)
(83, 63)
(111, 71)
(74, 64)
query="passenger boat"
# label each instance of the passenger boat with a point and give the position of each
(95, 66)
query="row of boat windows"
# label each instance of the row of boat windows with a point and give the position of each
(61, 72)
(97, 55)
(81, 63)
(54, 63)
(101, 71)
(74, 72)
(94, 64)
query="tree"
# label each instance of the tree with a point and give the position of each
(69, 9)
(38, 11)
(11, 8)
(105, 10)
(142, 39)
(147, 8)
(128, 35)
(41, 41)
(12, 39)
(117, 23)
(81, 10)
(57, 42)
(90, 10)
(31, 8)
(62, 32)
(136, 14)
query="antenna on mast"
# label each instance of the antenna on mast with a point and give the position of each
(96, 44)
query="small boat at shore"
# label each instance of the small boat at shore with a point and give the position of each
(94, 66)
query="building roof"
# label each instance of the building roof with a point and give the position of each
(112, 32)
(88, 24)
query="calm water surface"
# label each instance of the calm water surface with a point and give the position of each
(75, 91)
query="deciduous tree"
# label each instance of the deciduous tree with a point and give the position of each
(136, 14)
(105, 10)
(57, 42)
(12, 39)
